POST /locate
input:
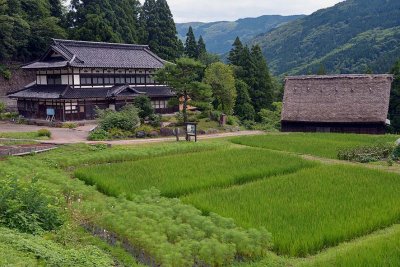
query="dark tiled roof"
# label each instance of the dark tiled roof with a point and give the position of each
(67, 92)
(100, 55)
(41, 92)
(155, 91)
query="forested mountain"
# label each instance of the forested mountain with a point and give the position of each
(355, 36)
(220, 35)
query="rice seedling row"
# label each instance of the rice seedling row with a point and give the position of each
(312, 209)
(182, 174)
(318, 144)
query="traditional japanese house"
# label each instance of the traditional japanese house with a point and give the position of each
(75, 77)
(336, 103)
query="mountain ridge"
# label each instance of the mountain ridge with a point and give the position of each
(219, 35)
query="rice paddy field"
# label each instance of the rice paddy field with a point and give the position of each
(182, 174)
(317, 144)
(245, 202)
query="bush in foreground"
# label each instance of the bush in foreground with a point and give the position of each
(365, 154)
(26, 208)
(44, 133)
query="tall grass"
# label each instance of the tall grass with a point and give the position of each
(312, 209)
(318, 144)
(181, 174)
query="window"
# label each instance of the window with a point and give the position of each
(120, 80)
(53, 79)
(158, 104)
(141, 79)
(109, 80)
(97, 80)
(71, 108)
(86, 80)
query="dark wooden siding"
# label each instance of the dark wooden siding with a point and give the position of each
(358, 128)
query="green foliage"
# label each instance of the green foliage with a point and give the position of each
(5, 73)
(317, 144)
(44, 133)
(251, 68)
(127, 119)
(160, 30)
(26, 250)
(143, 103)
(191, 49)
(201, 48)
(2, 107)
(396, 153)
(346, 38)
(394, 107)
(271, 119)
(70, 125)
(365, 154)
(184, 77)
(26, 28)
(205, 170)
(311, 209)
(98, 135)
(243, 107)
(222, 81)
(25, 207)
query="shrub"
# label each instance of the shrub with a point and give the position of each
(69, 125)
(396, 153)
(2, 107)
(365, 154)
(116, 133)
(98, 135)
(271, 119)
(232, 120)
(145, 128)
(215, 115)
(143, 104)
(26, 208)
(44, 133)
(127, 119)
(155, 120)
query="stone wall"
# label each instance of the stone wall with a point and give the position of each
(19, 79)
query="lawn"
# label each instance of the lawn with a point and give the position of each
(312, 209)
(23, 135)
(182, 174)
(317, 144)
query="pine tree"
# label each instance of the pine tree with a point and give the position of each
(235, 52)
(201, 48)
(191, 50)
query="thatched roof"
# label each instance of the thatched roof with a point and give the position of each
(337, 98)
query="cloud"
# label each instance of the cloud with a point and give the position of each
(214, 10)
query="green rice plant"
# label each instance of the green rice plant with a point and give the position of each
(163, 230)
(318, 144)
(182, 174)
(312, 209)
(379, 249)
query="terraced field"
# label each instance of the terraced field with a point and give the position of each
(214, 202)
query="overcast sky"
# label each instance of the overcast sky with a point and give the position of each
(215, 10)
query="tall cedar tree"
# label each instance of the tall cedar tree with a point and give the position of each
(105, 20)
(251, 67)
(262, 89)
(243, 107)
(394, 109)
(234, 54)
(201, 48)
(26, 28)
(161, 34)
(191, 49)
(184, 77)
(222, 81)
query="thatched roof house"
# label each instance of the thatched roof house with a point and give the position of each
(336, 103)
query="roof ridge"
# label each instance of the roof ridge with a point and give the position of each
(102, 44)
